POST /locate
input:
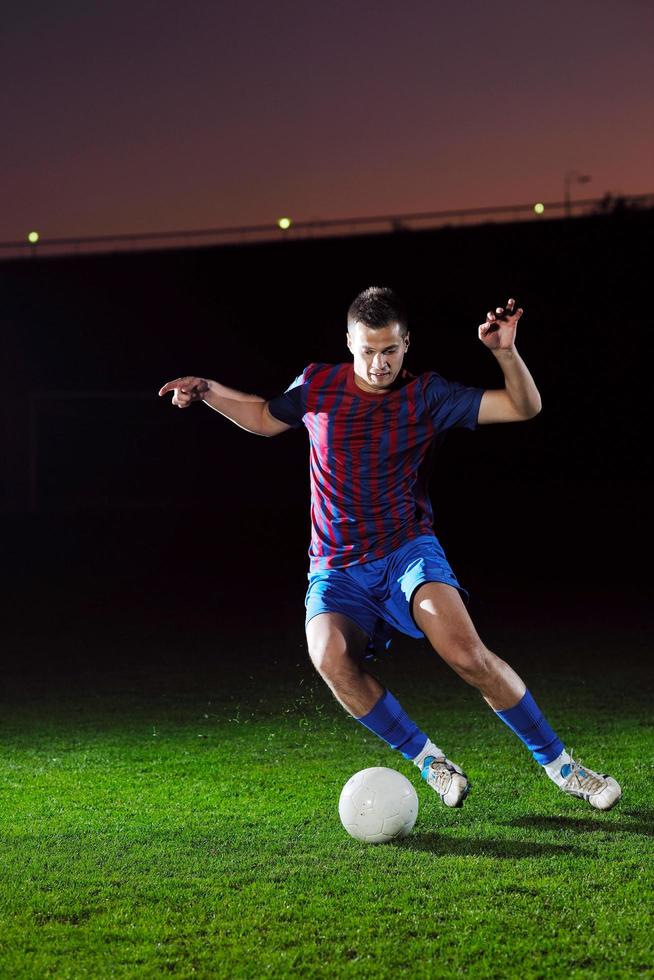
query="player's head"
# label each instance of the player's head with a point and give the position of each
(377, 336)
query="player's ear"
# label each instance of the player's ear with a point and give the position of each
(407, 341)
(348, 341)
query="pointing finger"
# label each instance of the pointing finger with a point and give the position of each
(171, 385)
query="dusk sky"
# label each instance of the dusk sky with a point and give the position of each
(148, 116)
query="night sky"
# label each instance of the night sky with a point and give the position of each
(145, 116)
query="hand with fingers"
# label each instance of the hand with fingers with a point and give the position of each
(186, 390)
(499, 329)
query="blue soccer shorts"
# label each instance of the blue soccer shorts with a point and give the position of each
(377, 594)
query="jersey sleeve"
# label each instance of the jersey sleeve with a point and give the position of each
(290, 407)
(452, 405)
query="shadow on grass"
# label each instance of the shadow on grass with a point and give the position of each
(642, 822)
(474, 847)
(644, 813)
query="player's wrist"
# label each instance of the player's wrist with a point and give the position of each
(213, 390)
(505, 353)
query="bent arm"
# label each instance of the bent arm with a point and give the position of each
(249, 412)
(519, 400)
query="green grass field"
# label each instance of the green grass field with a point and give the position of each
(176, 814)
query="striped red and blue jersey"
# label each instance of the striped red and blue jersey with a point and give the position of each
(370, 456)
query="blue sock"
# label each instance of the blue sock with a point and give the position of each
(389, 721)
(527, 721)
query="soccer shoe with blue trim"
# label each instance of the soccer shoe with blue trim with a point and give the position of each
(598, 789)
(450, 782)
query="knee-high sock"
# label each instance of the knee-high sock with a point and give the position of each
(527, 721)
(390, 722)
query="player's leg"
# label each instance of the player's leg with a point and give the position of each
(439, 612)
(336, 647)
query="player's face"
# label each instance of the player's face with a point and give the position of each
(378, 354)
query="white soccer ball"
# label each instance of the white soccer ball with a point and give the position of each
(378, 805)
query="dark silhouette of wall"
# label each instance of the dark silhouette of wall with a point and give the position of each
(253, 316)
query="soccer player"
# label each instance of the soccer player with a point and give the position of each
(376, 564)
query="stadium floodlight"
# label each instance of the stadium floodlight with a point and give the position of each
(33, 237)
(284, 223)
(539, 208)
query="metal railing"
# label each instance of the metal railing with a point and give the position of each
(323, 228)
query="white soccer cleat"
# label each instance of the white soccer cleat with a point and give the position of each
(600, 790)
(450, 782)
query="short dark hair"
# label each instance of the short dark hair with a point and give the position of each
(376, 307)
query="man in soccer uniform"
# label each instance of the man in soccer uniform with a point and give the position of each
(376, 564)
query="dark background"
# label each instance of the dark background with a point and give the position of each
(116, 505)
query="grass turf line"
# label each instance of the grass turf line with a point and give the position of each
(187, 825)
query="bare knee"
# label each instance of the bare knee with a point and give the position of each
(329, 649)
(329, 655)
(473, 662)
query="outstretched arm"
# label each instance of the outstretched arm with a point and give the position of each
(249, 412)
(519, 400)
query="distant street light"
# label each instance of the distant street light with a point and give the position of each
(33, 237)
(539, 208)
(284, 223)
(572, 177)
